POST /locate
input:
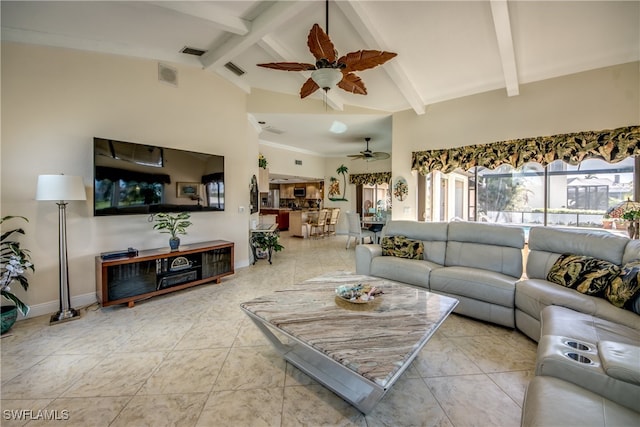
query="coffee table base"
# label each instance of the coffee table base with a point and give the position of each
(352, 387)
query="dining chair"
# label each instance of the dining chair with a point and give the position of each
(356, 231)
(332, 221)
(318, 224)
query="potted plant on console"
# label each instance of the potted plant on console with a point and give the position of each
(173, 224)
(267, 242)
(14, 262)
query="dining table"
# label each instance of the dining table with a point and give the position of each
(374, 224)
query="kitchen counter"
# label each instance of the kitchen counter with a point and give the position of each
(298, 226)
(282, 216)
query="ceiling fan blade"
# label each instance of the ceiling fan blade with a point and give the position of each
(352, 83)
(308, 88)
(354, 155)
(378, 155)
(320, 44)
(289, 66)
(365, 59)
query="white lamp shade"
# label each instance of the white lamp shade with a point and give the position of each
(60, 187)
(326, 78)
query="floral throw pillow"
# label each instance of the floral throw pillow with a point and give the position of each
(624, 290)
(585, 274)
(402, 247)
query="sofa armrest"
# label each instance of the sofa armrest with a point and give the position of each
(364, 255)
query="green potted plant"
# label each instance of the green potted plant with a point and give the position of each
(15, 261)
(267, 243)
(173, 224)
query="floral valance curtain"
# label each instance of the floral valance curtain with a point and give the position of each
(370, 178)
(612, 145)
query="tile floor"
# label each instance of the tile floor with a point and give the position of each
(192, 358)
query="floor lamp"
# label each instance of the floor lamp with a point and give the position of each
(62, 188)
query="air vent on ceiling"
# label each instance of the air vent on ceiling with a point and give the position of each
(193, 51)
(299, 162)
(234, 68)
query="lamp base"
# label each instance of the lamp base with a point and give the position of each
(64, 316)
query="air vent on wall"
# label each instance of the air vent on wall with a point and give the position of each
(167, 74)
(193, 51)
(299, 162)
(234, 68)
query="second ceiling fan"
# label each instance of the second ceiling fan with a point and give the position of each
(368, 155)
(330, 69)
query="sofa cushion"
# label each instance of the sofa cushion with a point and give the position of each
(546, 244)
(482, 285)
(493, 247)
(534, 295)
(432, 234)
(562, 321)
(620, 360)
(585, 274)
(625, 288)
(401, 246)
(413, 272)
(553, 402)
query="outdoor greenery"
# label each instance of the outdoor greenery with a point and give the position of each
(15, 261)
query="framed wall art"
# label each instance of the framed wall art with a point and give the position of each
(187, 189)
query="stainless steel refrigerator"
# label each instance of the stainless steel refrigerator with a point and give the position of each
(274, 198)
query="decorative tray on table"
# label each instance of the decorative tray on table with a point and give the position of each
(358, 293)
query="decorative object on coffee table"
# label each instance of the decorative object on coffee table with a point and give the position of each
(173, 224)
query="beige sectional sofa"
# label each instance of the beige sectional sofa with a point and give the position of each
(588, 362)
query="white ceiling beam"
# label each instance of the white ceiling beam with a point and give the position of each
(210, 12)
(356, 13)
(281, 53)
(267, 22)
(502, 25)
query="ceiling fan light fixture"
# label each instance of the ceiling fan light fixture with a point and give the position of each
(326, 78)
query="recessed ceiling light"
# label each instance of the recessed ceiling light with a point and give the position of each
(338, 127)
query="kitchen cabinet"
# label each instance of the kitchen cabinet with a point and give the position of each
(313, 191)
(286, 191)
(282, 217)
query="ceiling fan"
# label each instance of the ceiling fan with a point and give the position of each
(368, 155)
(329, 71)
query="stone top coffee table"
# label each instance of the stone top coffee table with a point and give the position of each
(356, 350)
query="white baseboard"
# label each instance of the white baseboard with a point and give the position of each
(51, 307)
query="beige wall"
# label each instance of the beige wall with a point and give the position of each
(600, 99)
(354, 166)
(282, 161)
(54, 101)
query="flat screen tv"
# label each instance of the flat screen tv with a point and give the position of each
(132, 178)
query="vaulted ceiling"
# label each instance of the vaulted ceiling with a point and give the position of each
(446, 49)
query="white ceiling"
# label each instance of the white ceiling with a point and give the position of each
(446, 49)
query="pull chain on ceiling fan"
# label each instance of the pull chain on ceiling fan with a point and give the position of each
(368, 155)
(329, 71)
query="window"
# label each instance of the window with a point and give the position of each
(560, 194)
